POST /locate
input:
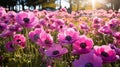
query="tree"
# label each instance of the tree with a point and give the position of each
(8, 4)
(114, 4)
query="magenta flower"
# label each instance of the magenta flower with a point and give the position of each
(43, 22)
(88, 60)
(26, 19)
(6, 33)
(83, 45)
(11, 15)
(60, 24)
(117, 42)
(113, 23)
(116, 35)
(2, 11)
(35, 35)
(14, 28)
(96, 23)
(68, 36)
(20, 40)
(5, 20)
(107, 54)
(46, 40)
(97, 20)
(105, 29)
(84, 26)
(117, 50)
(55, 51)
(10, 47)
(63, 10)
(3, 26)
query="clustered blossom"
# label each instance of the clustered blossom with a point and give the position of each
(75, 38)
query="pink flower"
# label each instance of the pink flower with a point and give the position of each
(83, 45)
(6, 33)
(2, 11)
(69, 35)
(113, 23)
(107, 54)
(46, 40)
(35, 35)
(116, 35)
(10, 47)
(97, 20)
(105, 29)
(56, 51)
(26, 19)
(88, 60)
(20, 40)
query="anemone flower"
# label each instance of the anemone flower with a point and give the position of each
(84, 26)
(83, 45)
(88, 60)
(55, 51)
(3, 26)
(35, 35)
(97, 20)
(10, 47)
(69, 35)
(107, 54)
(117, 42)
(26, 19)
(6, 33)
(113, 23)
(116, 35)
(11, 15)
(46, 40)
(117, 50)
(105, 29)
(20, 40)
(14, 28)
(2, 11)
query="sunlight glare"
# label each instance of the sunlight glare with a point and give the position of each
(93, 4)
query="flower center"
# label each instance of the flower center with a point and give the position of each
(12, 16)
(68, 38)
(96, 21)
(36, 36)
(105, 54)
(1, 27)
(11, 46)
(26, 20)
(12, 28)
(89, 65)
(6, 22)
(18, 40)
(47, 42)
(61, 26)
(83, 45)
(55, 52)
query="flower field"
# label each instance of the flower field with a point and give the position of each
(59, 39)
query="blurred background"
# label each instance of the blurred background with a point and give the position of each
(71, 5)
